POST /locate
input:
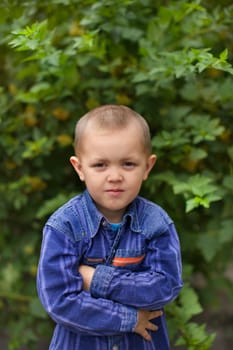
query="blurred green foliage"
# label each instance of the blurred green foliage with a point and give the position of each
(170, 61)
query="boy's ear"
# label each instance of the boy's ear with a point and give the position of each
(149, 165)
(75, 161)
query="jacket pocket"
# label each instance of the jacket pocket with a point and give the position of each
(131, 259)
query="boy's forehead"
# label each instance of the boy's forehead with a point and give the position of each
(105, 140)
(114, 144)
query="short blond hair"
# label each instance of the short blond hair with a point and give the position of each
(112, 117)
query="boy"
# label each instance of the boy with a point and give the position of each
(110, 260)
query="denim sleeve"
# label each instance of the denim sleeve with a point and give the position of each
(60, 290)
(152, 287)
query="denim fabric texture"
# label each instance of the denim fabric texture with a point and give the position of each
(137, 266)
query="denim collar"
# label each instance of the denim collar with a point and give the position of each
(95, 219)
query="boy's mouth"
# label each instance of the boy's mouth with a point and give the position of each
(114, 190)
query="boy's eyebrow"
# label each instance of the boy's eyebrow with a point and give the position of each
(133, 157)
(124, 159)
(100, 159)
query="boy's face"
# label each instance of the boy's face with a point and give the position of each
(113, 165)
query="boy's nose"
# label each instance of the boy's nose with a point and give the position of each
(115, 175)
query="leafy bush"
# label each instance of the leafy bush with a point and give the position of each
(170, 61)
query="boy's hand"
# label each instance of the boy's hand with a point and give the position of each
(87, 273)
(144, 316)
(144, 324)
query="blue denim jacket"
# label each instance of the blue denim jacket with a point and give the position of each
(137, 267)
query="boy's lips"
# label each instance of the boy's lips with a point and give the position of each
(114, 190)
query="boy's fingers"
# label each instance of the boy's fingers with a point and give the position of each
(152, 326)
(154, 314)
(146, 335)
(144, 325)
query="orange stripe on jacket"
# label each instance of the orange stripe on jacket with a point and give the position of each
(127, 261)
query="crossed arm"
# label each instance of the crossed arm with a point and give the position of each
(144, 316)
(161, 279)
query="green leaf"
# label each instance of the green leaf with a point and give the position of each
(198, 191)
(209, 245)
(35, 148)
(198, 339)
(224, 55)
(31, 37)
(190, 304)
(226, 232)
(36, 308)
(9, 277)
(51, 205)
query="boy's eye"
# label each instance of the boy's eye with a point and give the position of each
(129, 165)
(99, 165)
